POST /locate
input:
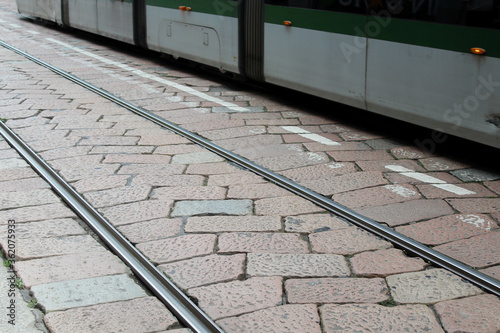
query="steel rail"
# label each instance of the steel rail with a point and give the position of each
(165, 290)
(153, 278)
(401, 241)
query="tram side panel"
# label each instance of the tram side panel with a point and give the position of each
(115, 20)
(49, 10)
(197, 30)
(83, 15)
(316, 51)
(447, 94)
(423, 73)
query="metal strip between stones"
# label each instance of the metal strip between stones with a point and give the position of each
(402, 241)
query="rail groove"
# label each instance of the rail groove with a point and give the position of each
(401, 241)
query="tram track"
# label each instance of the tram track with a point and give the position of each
(145, 271)
(372, 226)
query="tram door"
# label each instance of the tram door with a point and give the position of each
(83, 15)
(115, 19)
(317, 47)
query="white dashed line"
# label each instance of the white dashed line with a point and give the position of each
(143, 74)
(454, 189)
(429, 180)
(32, 32)
(311, 136)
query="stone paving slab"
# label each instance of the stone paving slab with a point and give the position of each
(118, 195)
(261, 242)
(449, 228)
(23, 184)
(472, 314)
(190, 193)
(405, 212)
(152, 230)
(205, 270)
(314, 223)
(238, 297)
(78, 293)
(346, 183)
(478, 251)
(137, 211)
(296, 265)
(178, 248)
(10, 200)
(340, 290)
(384, 262)
(45, 247)
(69, 267)
(205, 207)
(47, 228)
(346, 241)
(377, 318)
(19, 318)
(429, 286)
(130, 314)
(377, 196)
(282, 319)
(232, 223)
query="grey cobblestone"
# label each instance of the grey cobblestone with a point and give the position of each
(429, 286)
(203, 207)
(377, 318)
(139, 315)
(296, 265)
(196, 157)
(475, 175)
(75, 293)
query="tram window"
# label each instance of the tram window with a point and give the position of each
(481, 13)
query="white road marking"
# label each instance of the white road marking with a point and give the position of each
(32, 32)
(17, 26)
(454, 189)
(143, 74)
(476, 221)
(311, 136)
(401, 190)
(429, 180)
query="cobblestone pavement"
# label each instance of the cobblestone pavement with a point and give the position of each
(254, 257)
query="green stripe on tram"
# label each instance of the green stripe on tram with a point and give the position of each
(441, 36)
(428, 34)
(327, 21)
(227, 8)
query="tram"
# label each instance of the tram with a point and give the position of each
(434, 63)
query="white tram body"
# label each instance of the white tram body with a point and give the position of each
(200, 37)
(418, 61)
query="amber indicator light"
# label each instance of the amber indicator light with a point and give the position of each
(478, 50)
